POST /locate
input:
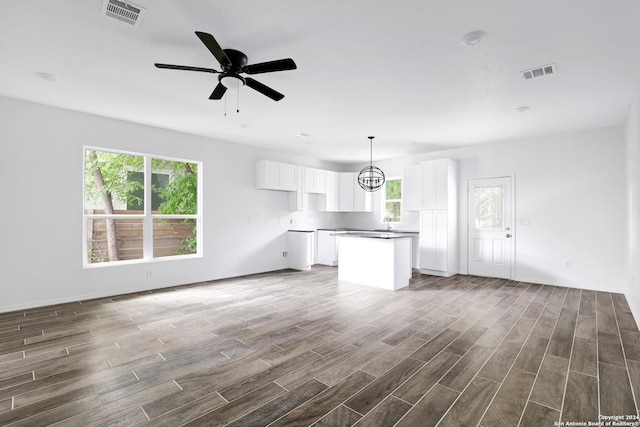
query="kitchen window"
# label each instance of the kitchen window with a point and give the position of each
(392, 196)
(139, 207)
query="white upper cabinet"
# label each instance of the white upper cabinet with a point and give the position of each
(427, 185)
(412, 191)
(329, 201)
(337, 191)
(288, 177)
(272, 175)
(347, 192)
(315, 180)
(298, 198)
(352, 197)
(362, 199)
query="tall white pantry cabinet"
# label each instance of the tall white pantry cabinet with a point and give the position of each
(431, 188)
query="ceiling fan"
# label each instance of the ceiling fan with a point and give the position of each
(233, 63)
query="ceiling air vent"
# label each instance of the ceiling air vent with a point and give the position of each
(539, 71)
(123, 11)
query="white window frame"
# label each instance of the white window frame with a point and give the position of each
(384, 200)
(147, 217)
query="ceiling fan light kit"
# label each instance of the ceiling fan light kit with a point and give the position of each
(371, 178)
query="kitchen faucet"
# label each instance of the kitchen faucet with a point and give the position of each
(388, 220)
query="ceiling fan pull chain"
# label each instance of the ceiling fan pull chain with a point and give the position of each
(225, 105)
(238, 102)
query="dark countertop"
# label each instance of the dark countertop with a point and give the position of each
(373, 234)
(302, 231)
(360, 230)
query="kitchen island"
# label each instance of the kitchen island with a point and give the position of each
(378, 259)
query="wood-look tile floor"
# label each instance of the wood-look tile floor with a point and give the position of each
(298, 348)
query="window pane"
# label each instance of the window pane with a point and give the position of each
(125, 236)
(176, 187)
(489, 207)
(108, 187)
(158, 182)
(174, 237)
(393, 189)
(392, 211)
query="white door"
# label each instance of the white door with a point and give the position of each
(490, 236)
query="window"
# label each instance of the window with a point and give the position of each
(489, 208)
(139, 207)
(392, 196)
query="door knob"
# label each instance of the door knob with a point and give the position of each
(507, 235)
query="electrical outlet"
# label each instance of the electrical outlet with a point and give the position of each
(284, 254)
(291, 221)
(149, 274)
(568, 264)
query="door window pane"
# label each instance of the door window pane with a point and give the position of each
(489, 207)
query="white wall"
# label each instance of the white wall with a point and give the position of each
(571, 186)
(632, 137)
(41, 229)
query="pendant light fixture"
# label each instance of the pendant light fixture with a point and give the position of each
(371, 178)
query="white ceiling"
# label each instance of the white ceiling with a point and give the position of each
(394, 69)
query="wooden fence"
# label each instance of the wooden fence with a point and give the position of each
(168, 237)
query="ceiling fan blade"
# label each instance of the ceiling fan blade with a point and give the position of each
(218, 92)
(185, 67)
(213, 46)
(271, 66)
(265, 90)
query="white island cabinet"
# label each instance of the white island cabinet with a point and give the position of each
(381, 260)
(327, 252)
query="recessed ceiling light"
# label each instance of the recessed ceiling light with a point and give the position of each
(472, 38)
(245, 125)
(47, 76)
(302, 135)
(522, 109)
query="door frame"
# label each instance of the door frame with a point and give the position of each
(511, 208)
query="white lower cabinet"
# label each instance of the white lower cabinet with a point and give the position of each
(438, 252)
(301, 249)
(327, 251)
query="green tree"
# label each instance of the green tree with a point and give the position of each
(393, 195)
(180, 196)
(106, 180)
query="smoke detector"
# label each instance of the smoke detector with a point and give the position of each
(539, 71)
(123, 11)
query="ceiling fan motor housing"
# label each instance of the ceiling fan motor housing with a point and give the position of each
(230, 77)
